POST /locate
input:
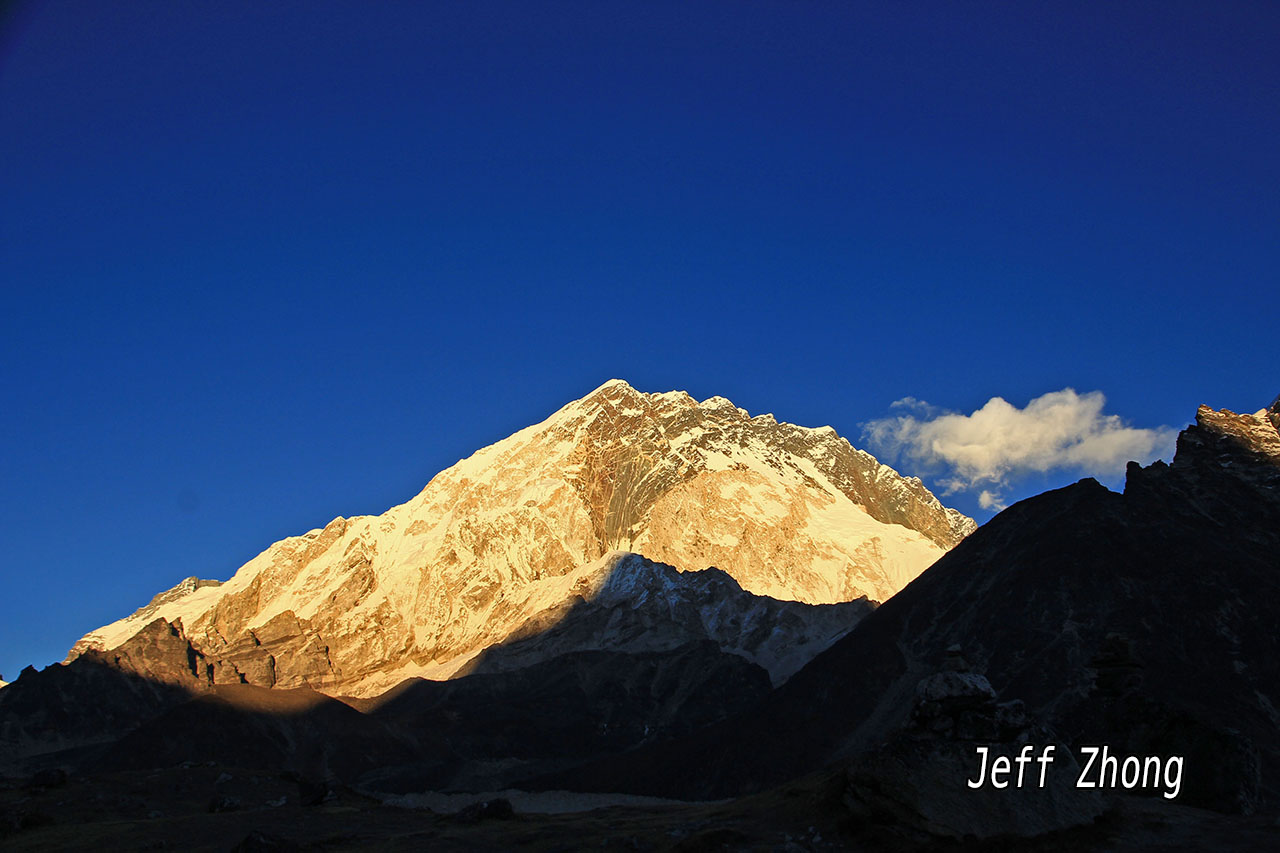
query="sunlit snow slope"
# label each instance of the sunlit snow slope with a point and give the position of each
(519, 528)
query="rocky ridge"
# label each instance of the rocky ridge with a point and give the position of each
(499, 541)
(642, 606)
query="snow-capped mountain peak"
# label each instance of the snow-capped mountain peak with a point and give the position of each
(514, 531)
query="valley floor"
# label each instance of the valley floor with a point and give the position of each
(215, 808)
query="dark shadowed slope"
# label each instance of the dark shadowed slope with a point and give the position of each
(641, 662)
(1149, 620)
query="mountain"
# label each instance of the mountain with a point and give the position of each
(504, 543)
(1144, 620)
(637, 605)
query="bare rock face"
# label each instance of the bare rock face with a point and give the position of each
(500, 542)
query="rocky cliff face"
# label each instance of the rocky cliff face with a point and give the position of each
(498, 542)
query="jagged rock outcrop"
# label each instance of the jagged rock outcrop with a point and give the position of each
(100, 695)
(502, 540)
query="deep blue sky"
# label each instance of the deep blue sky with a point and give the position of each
(268, 264)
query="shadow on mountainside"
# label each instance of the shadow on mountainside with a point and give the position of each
(647, 606)
(579, 706)
(641, 660)
(146, 705)
(153, 703)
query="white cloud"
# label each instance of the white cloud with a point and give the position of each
(988, 499)
(918, 407)
(1058, 430)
